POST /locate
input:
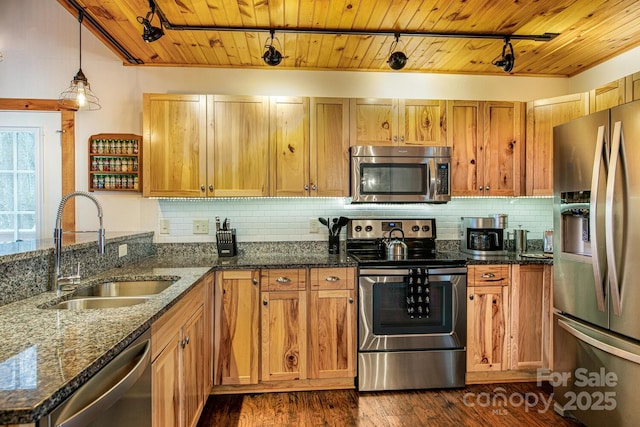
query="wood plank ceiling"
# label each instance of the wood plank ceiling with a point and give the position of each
(589, 33)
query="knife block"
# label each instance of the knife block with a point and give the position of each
(226, 243)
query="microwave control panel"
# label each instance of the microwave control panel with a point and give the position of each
(442, 179)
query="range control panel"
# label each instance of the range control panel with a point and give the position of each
(413, 228)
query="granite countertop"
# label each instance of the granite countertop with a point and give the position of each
(46, 354)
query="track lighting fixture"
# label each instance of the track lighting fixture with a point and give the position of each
(508, 58)
(79, 94)
(150, 33)
(397, 60)
(272, 56)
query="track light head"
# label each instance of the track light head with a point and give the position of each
(508, 58)
(150, 33)
(397, 60)
(272, 56)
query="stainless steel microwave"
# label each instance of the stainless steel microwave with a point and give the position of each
(400, 174)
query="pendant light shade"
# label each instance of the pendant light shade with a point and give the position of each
(79, 94)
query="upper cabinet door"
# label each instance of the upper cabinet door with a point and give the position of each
(289, 142)
(465, 138)
(504, 148)
(174, 145)
(374, 121)
(542, 116)
(329, 160)
(422, 122)
(239, 161)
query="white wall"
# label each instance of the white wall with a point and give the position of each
(39, 42)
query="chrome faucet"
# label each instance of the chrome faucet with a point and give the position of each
(57, 238)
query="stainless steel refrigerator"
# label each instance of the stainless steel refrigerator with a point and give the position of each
(596, 344)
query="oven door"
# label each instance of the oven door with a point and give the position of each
(412, 308)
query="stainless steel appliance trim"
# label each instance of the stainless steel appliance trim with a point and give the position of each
(591, 338)
(86, 409)
(614, 286)
(400, 151)
(593, 224)
(405, 271)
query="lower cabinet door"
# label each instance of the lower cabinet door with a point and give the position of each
(165, 382)
(195, 395)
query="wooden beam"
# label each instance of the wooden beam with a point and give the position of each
(67, 138)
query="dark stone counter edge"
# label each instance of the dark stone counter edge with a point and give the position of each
(30, 415)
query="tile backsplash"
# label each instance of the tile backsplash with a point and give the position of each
(289, 219)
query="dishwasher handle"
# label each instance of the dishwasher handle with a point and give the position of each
(109, 397)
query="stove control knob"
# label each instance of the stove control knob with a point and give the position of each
(358, 228)
(415, 228)
(368, 229)
(426, 228)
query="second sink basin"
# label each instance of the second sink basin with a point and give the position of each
(97, 302)
(125, 288)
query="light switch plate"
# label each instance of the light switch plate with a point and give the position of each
(164, 226)
(200, 226)
(313, 225)
(122, 250)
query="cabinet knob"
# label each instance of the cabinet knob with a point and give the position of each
(255, 281)
(481, 188)
(264, 302)
(211, 188)
(402, 138)
(395, 138)
(306, 187)
(313, 187)
(332, 279)
(202, 188)
(487, 188)
(350, 300)
(488, 275)
(283, 280)
(471, 297)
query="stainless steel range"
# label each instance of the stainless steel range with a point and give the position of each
(412, 309)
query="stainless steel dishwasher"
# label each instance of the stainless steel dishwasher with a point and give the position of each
(118, 395)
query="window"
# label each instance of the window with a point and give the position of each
(18, 192)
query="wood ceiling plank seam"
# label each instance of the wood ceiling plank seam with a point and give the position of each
(408, 13)
(242, 48)
(336, 53)
(559, 19)
(330, 45)
(442, 18)
(366, 43)
(320, 20)
(261, 12)
(315, 49)
(359, 54)
(276, 13)
(234, 52)
(426, 17)
(218, 13)
(191, 54)
(291, 13)
(208, 40)
(459, 17)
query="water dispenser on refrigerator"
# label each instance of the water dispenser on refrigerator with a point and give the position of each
(575, 214)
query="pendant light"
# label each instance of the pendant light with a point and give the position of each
(79, 94)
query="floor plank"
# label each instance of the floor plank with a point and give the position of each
(524, 404)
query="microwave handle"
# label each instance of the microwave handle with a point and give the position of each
(432, 178)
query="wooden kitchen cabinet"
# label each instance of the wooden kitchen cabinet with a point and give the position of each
(236, 327)
(283, 348)
(542, 116)
(531, 316)
(487, 318)
(180, 359)
(487, 140)
(175, 154)
(329, 162)
(376, 121)
(240, 165)
(607, 96)
(205, 145)
(632, 87)
(332, 323)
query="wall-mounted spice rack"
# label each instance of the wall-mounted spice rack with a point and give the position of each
(115, 162)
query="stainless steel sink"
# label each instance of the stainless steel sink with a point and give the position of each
(98, 302)
(125, 288)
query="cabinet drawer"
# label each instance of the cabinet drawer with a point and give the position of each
(332, 278)
(489, 275)
(286, 279)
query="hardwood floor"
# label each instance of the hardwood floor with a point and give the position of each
(475, 405)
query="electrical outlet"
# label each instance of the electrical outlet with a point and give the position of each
(200, 226)
(313, 225)
(164, 226)
(122, 250)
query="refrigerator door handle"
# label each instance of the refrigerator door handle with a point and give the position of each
(585, 336)
(593, 224)
(616, 148)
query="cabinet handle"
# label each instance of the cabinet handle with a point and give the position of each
(332, 279)
(480, 188)
(471, 297)
(395, 138)
(255, 281)
(211, 188)
(402, 138)
(184, 342)
(350, 300)
(283, 280)
(306, 187)
(313, 187)
(488, 188)
(202, 188)
(264, 302)
(488, 275)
